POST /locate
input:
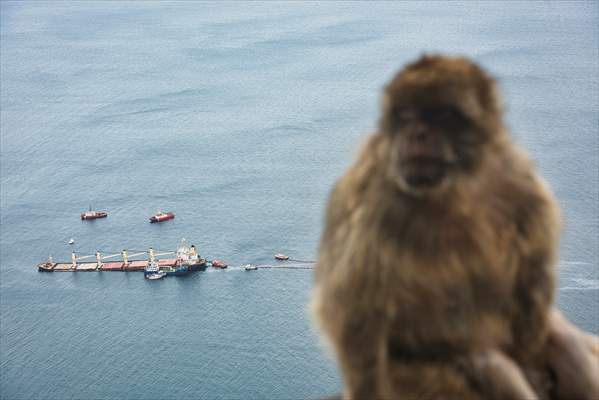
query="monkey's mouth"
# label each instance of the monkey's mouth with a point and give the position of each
(424, 172)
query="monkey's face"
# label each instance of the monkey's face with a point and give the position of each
(437, 124)
(423, 152)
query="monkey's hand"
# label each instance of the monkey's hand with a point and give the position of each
(499, 377)
(574, 357)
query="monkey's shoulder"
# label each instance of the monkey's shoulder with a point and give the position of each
(516, 192)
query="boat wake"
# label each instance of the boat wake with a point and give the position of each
(581, 284)
(302, 261)
(288, 265)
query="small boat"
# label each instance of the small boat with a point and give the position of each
(157, 275)
(250, 267)
(162, 216)
(219, 264)
(281, 257)
(72, 241)
(91, 214)
(151, 269)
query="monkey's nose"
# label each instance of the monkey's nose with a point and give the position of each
(420, 135)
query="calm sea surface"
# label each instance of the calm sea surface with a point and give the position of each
(238, 117)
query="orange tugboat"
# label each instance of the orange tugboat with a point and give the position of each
(162, 216)
(91, 214)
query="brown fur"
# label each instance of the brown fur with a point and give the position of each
(410, 283)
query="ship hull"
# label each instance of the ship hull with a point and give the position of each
(198, 266)
(176, 271)
(98, 215)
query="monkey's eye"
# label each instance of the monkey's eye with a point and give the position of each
(446, 117)
(405, 115)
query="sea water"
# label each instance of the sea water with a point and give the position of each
(238, 117)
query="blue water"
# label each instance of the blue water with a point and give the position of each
(238, 117)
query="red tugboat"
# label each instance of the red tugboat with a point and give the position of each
(91, 214)
(219, 264)
(162, 216)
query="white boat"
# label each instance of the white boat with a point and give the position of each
(152, 269)
(250, 267)
(72, 241)
(156, 275)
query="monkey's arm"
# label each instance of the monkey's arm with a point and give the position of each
(354, 325)
(360, 343)
(538, 226)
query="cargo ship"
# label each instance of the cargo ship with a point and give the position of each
(161, 216)
(46, 267)
(183, 260)
(194, 265)
(195, 262)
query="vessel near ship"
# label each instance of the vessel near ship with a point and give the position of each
(161, 216)
(91, 214)
(152, 271)
(219, 264)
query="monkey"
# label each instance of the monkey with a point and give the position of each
(439, 244)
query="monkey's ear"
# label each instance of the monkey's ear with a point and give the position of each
(490, 97)
(426, 58)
